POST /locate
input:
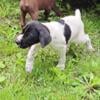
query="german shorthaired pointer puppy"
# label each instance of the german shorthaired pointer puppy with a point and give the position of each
(59, 34)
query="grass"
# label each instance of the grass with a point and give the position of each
(79, 81)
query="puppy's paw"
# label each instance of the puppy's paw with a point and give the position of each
(61, 66)
(29, 68)
(91, 49)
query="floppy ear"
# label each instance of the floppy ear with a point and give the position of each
(44, 37)
(25, 28)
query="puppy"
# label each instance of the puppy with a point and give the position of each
(32, 7)
(56, 33)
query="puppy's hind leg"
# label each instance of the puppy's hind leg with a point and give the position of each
(84, 38)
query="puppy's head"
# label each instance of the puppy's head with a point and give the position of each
(34, 32)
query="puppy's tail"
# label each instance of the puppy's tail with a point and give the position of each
(78, 13)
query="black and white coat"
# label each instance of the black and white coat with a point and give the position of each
(56, 33)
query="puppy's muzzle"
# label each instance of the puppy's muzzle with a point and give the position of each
(17, 42)
(18, 39)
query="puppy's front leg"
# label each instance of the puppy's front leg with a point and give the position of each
(62, 51)
(23, 21)
(30, 58)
